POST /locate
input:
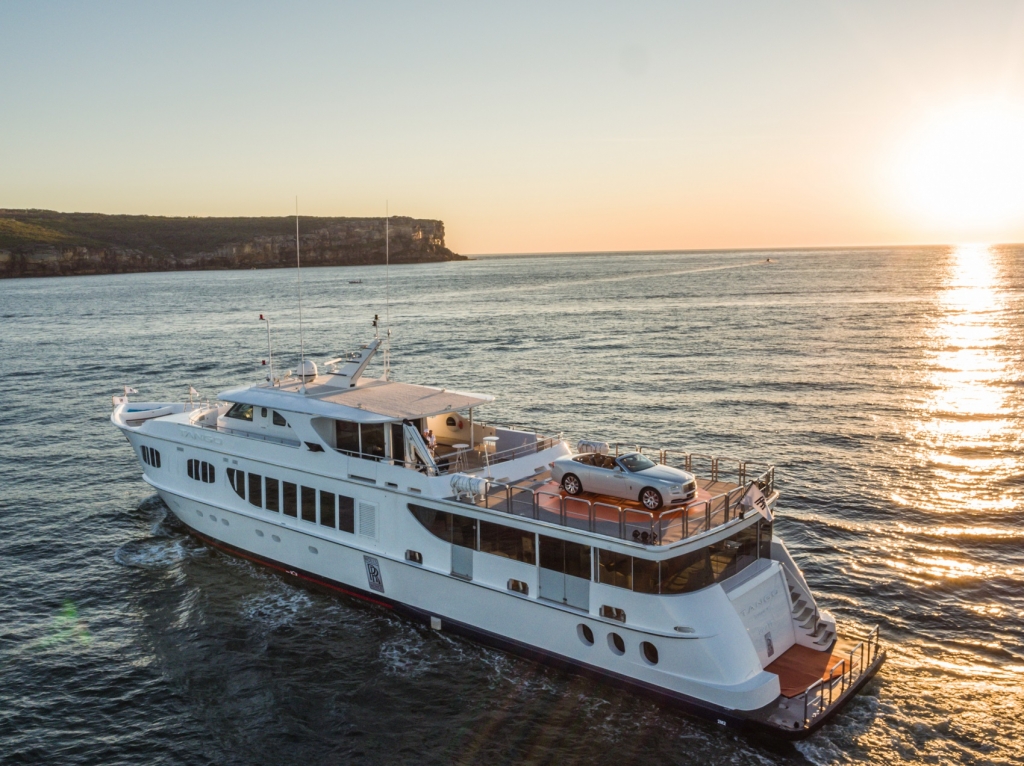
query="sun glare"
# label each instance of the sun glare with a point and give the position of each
(964, 168)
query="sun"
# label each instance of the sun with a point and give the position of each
(964, 168)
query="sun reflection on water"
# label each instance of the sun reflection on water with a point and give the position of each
(965, 425)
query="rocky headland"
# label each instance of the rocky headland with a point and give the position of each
(43, 243)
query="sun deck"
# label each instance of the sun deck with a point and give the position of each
(717, 502)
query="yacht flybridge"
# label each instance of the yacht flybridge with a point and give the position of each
(400, 495)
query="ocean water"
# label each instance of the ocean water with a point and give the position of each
(885, 384)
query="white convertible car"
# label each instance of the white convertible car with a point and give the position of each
(631, 476)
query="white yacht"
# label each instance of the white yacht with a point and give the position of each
(400, 495)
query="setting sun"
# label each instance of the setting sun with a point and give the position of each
(963, 168)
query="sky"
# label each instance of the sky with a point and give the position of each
(530, 127)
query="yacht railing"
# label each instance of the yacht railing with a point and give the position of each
(665, 527)
(475, 459)
(247, 434)
(841, 676)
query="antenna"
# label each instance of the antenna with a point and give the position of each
(298, 274)
(270, 348)
(387, 287)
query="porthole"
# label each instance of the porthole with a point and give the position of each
(213, 518)
(259, 533)
(224, 522)
(313, 550)
(585, 633)
(649, 651)
(276, 538)
(199, 512)
(616, 644)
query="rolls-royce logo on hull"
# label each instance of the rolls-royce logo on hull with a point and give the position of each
(373, 575)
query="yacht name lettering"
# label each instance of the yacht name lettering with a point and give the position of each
(763, 601)
(200, 437)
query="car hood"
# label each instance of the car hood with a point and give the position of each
(666, 473)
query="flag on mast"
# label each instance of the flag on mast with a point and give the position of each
(192, 391)
(129, 390)
(754, 499)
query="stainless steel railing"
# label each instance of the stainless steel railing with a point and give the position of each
(841, 676)
(665, 527)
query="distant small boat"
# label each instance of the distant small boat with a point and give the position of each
(355, 281)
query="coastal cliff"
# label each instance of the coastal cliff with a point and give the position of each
(41, 243)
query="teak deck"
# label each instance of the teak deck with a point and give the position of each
(799, 667)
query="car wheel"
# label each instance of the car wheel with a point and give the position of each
(571, 484)
(650, 498)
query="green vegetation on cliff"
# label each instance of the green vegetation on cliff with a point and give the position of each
(47, 243)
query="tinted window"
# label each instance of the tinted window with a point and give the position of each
(689, 572)
(327, 508)
(398, 442)
(645, 576)
(236, 479)
(464, 531)
(192, 468)
(241, 412)
(273, 490)
(507, 541)
(346, 514)
(636, 462)
(279, 419)
(155, 456)
(734, 553)
(565, 556)
(256, 489)
(290, 494)
(438, 522)
(765, 526)
(615, 569)
(346, 435)
(308, 504)
(373, 439)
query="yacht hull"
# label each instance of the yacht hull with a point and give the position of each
(751, 722)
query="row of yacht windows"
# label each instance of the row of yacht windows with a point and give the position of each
(307, 503)
(245, 412)
(200, 470)
(681, 574)
(150, 456)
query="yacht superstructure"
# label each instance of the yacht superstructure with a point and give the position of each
(398, 494)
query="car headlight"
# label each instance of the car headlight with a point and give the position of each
(676, 489)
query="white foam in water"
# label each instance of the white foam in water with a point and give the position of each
(276, 607)
(152, 554)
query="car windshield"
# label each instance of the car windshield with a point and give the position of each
(636, 462)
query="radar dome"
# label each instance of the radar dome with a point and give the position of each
(307, 370)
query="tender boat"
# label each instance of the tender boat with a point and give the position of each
(400, 495)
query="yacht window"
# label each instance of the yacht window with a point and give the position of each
(347, 436)
(734, 553)
(565, 556)
(615, 569)
(200, 470)
(154, 455)
(509, 542)
(645, 576)
(290, 498)
(765, 534)
(327, 508)
(309, 504)
(263, 412)
(464, 531)
(279, 419)
(686, 573)
(634, 462)
(438, 523)
(346, 514)
(273, 499)
(236, 479)
(145, 454)
(372, 439)
(256, 490)
(398, 442)
(240, 412)
(451, 422)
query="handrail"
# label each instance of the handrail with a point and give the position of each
(249, 434)
(820, 695)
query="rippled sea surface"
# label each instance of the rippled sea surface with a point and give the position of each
(885, 384)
